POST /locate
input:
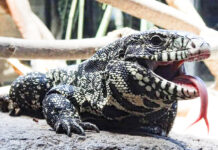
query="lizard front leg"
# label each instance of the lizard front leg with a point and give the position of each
(61, 111)
(27, 92)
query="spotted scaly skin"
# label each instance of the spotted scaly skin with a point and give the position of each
(114, 89)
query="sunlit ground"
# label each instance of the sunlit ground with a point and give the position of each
(188, 112)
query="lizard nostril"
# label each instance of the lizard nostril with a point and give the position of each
(193, 45)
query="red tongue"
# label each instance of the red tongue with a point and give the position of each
(200, 86)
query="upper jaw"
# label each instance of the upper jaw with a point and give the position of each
(194, 51)
(172, 61)
(186, 55)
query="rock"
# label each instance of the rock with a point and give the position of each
(28, 133)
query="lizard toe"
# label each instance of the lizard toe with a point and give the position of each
(68, 126)
(89, 126)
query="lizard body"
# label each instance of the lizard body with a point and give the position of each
(125, 85)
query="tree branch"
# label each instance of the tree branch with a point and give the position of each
(49, 49)
(158, 13)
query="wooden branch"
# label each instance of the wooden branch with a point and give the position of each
(186, 7)
(158, 13)
(51, 49)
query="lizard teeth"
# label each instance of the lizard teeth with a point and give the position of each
(179, 53)
(183, 55)
(165, 57)
(170, 56)
(173, 55)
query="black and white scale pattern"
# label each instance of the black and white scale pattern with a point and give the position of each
(115, 89)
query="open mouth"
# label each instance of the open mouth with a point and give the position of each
(173, 79)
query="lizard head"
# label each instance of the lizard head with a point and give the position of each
(166, 46)
(163, 53)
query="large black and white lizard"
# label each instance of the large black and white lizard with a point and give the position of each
(134, 82)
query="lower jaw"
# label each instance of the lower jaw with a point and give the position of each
(180, 78)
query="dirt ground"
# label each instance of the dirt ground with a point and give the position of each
(26, 133)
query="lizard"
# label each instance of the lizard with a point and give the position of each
(132, 83)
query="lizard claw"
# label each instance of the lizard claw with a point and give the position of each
(68, 125)
(89, 126)
(15, 112)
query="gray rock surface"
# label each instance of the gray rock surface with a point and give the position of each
(28, 133)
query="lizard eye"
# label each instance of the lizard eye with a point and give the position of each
(156, 40)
